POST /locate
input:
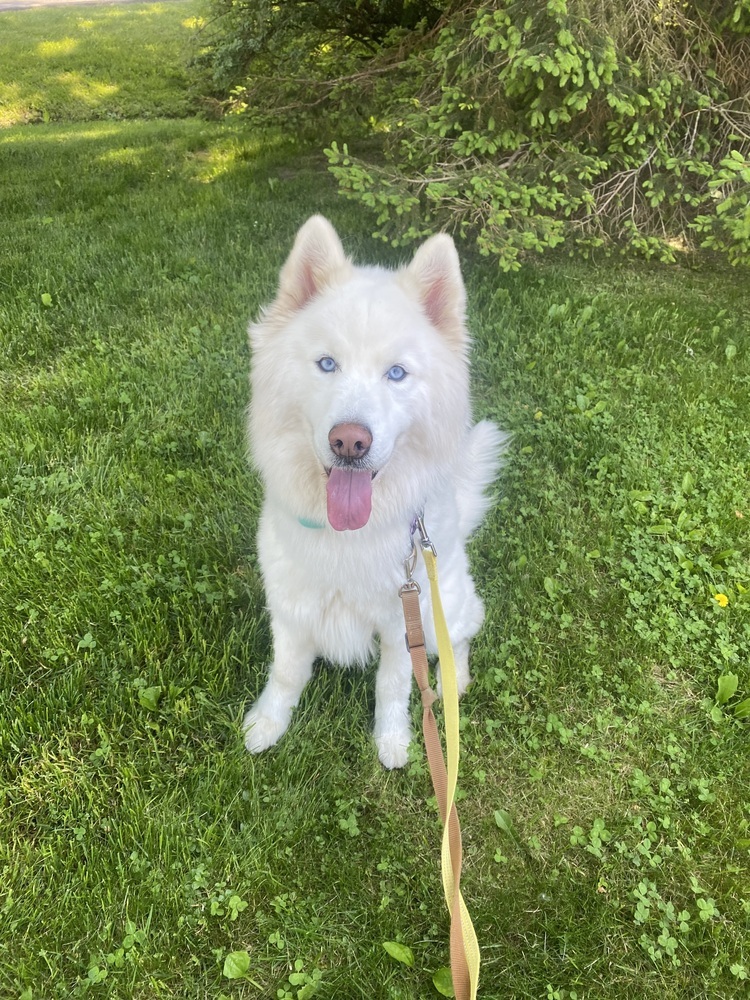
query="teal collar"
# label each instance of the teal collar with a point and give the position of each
(307, 523)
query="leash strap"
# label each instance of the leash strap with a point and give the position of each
(464, 948)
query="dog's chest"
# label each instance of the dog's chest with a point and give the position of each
(341, 595)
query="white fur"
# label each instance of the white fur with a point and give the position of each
(331, 593)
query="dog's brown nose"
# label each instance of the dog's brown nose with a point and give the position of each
(350, 440)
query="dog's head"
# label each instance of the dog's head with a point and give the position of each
(359, 382)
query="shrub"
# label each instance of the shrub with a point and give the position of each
(586, 122)
(523, 126)
(264, 51)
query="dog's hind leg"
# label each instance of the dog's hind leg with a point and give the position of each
(269, 718)
(463, 677)
(392, 690)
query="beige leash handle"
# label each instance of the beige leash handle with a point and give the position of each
(464, 948)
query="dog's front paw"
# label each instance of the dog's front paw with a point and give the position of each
(393, 749)
(262, 730)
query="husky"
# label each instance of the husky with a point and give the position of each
(359, 422)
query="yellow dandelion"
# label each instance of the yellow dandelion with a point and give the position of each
(721, 599)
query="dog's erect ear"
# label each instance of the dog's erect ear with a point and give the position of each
(434, 277)
(316, 260)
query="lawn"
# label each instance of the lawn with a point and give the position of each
(605, 776)
(82, 62)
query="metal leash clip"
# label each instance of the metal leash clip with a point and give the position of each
(409, 566)
(424, 538)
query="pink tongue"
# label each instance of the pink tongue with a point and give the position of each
(349, 498)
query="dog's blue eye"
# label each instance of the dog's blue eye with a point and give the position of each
(396, 373)
(327, 365)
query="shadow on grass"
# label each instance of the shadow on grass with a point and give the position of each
(153, 217)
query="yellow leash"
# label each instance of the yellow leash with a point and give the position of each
(464, 948)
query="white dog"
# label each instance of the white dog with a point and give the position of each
(359, 421)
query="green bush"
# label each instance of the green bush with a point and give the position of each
(523, 126)
(546, 122)
(275, 51)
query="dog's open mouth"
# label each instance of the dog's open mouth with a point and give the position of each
(349, 496)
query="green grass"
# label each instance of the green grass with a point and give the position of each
(140, 844)
(117, 61)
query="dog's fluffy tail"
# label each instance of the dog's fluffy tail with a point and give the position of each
(479, 467)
